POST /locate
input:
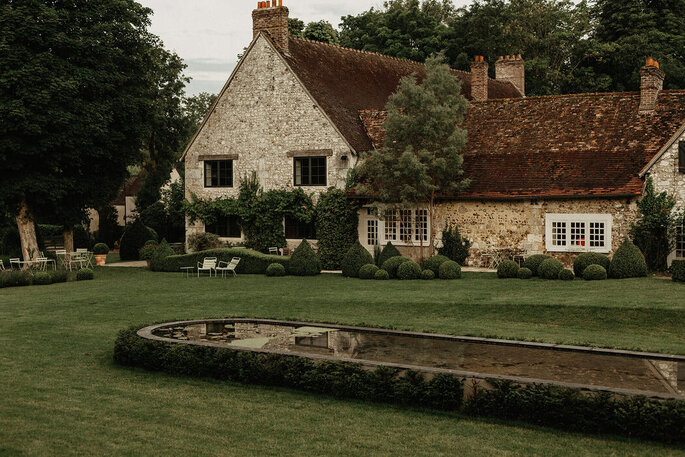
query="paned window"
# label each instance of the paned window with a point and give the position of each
(401, 226)
(309, 171)
(372, 232)
(559, 233)
(218, 173)
(390, 222)
(405, 225)
(225, 227)
(298, 230)
(578, 232)
(421, 226)
(680, 242)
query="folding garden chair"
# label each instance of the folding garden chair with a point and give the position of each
(228, 266)
(15, 261)
(208, 264)
(272, 251)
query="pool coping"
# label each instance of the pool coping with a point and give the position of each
(146, 332)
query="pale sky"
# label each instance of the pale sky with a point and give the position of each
(209, 34)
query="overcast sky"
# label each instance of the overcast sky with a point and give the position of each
(209, 34)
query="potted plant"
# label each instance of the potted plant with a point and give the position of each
(100, 250)
(145, 253)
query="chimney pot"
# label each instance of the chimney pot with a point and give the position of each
(272, 19)
(651, 83)
(479, 79)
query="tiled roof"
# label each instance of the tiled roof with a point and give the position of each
(585, 145)
(344, 81)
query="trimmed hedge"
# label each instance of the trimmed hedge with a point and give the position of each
(381, 275)
(100, 249)
(678, 270)
(433, 263)
(409, 270)
(507, 269)
(59, 276)
(450, 270)
(251, 262)
(594, 273)
(550, 268)
(524, 273)
(42, 278)
(275, 269)
(368, 271)
(304, 261)
(15, 278)
(355, 258)
(389, 251)
(533, 263)
(566, 275)
(586, 259)
(427, 275)
(628, 262)
(564, 408)
(84, 274)
(393, 263)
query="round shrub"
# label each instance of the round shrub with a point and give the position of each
(368, 271)
(42, 278)
(355, 258)
(507, 269)
(275, 269)
(134, 238)
(550, 268)
(450, 270)
(304, 261)
(101, 249)
(628, 262)
(393, 263)
(409, 270)
(566, 275)
(147, 251)
(433, 263)
(381, 275)
(533, 263)
(84, 274)
(427, 275)
(524, 273)
(586, 259)
(59, 276)
(389, 251)
(594, 273)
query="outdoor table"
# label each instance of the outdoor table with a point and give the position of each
(188, 270)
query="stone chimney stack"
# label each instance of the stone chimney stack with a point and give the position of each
(512, 69)
(651, 82)
(479, 79)
(272, 19)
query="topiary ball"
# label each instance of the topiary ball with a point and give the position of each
(389, 251)
(381, 275)
(450, 270)
(84, 274)
(550, 268)
(393, 263)
(304, 261)
(433, 263)
(566, 275)
(368, 271)
(42, 278)
(628, 262)
(355, 258)
(275, 269)
(533, 263)
(409, 270)
(507, 269)
(589, 258)
(524, 273)
(101, 249)
(594, 273)
(427, 275)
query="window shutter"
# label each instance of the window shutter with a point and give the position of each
(681, 156)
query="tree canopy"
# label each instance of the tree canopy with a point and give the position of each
(317, 31)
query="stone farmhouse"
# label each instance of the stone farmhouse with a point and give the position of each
(552, 174)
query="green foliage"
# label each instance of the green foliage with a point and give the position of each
(433, 263)
(15, 278)
(59, 276)
(84, 274)
(428, 275)
(368, 271)
(533, 262)
(336, 227)
(203, 241)
(316, 31)
(524, 273)
(109, 231)
(409, 270)
(594, 273)
(450, 270)
(147, 251)
(356, 257)
(275, 269)
(678, 270)
(159, 256)
(388, 251)
(507, 269)
(381, 275)
(304, 261)
(393, 263)
(566, 275)
(589, 258)
(251, 262)
(134, 237)
(100, 249)
(550, 268)
(42, 278)
(453, 246)
(628, 262)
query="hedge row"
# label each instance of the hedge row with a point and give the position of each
(251, 262)
(547, 405)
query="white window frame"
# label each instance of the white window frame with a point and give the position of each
(680, 242)
(407, 228)
(567, 228)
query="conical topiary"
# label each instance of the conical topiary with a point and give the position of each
(304, 261)
(134, 238)
(355, 258)
(628, 262)
(388, 251)
(161, 252)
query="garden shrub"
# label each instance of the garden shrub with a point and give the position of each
(393, 263)
(524, 273)
(42, 278)
(147, 251)
(84, 274)
(389, 251)
(151, 243)
(678, 270)
(336, 227)
(628, 262)
(251, 262)
(450, 270)
(589, 258)
(381, 275)
(427, 275)
(134, 237)
(304, 261)
(550, 268)
(15, 278)
(453, 247)
(409, 270)
(100, 249)
(59, 276)
(594, 273)
(203, 241)
(355, 258)
(507, 269)
(533, 263)
(566, 275)
(433, 263)
(159, 256)
(275, 269)
(368, 271)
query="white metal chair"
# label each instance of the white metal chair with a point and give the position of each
(79, 260)
(2, 266)
(15, 261)
(63, 258)
(228, 266)
(208, 264)
(274, 251)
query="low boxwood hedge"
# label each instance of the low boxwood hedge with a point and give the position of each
(409, 270)
(427, 275)
(42, 278)
(524, 273)
(533, 262)
(586, 259)
(251, 262)
(594, 273)
(393, 263)
(15, 278)
(566, 275)
(550, 268)
(678, 270)
(507, 269)
(84, 274)
(367, 271)
(450, 270)
(433, 263)
(381, 275)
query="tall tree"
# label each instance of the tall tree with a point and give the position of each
(316, 31)
(421, 158)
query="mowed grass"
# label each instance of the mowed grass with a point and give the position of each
(60, 393)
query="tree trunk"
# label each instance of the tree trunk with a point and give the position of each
(68, 239)
(27, 232)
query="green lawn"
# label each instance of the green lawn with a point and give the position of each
(60, 394)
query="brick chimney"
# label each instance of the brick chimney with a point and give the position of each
(479, 79)
(512, 69)
(272, 19)
(651, 82)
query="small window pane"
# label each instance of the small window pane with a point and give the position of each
(405, 225)
(596, 234)
(559, 233)
(421, 228)
(390, 225)
(577, 236)
(309, 171)
(680, 242)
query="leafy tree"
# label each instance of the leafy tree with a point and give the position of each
(453, 246)
(195, 108)
(317, 31)
(421, 158)
(296, 27)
